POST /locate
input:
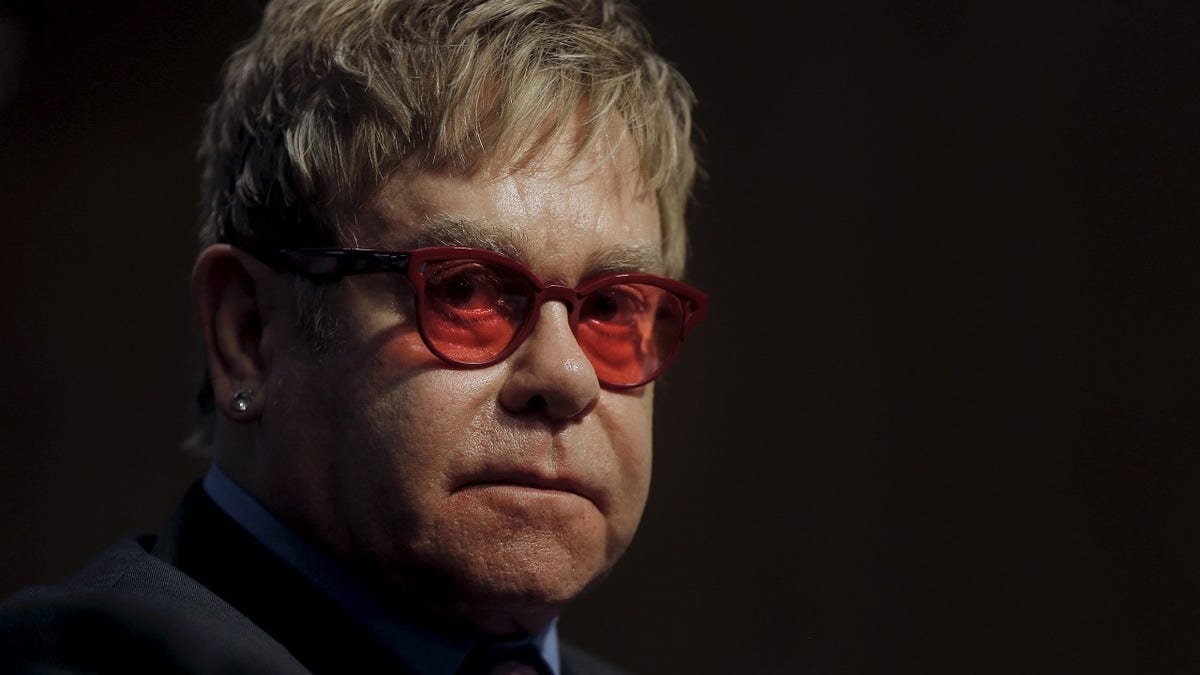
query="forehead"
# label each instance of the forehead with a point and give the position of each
(564, 219)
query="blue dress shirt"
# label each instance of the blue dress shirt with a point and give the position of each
(424, 650)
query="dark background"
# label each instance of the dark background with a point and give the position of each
(942, 417)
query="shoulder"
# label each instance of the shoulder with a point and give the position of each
(575, 661)
(127, 611)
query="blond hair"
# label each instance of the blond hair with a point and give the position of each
(330, 97)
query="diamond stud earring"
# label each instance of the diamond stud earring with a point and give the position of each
(242, 400)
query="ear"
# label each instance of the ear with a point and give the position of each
(234, 303)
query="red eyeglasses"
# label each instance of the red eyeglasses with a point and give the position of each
(475, 307)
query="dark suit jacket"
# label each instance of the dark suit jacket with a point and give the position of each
(203, 596)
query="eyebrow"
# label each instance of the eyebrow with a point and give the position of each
(447, 230)
(630, 258)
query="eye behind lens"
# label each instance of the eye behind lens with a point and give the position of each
(630, 331)
(471, 311)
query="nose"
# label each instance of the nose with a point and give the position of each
(550, 375)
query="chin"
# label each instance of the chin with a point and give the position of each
(551, 566)
(525, 593)
(503, 580)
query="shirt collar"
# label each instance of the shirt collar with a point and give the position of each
(424, 649)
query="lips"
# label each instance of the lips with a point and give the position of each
(527, 478)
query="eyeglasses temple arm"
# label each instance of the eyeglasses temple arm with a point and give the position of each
(331, 264)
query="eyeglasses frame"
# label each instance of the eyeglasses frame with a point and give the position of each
(331, 264)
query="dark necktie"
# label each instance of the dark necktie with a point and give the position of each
(492, 658)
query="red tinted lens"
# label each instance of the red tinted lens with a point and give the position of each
(629, 331)
(470, 310)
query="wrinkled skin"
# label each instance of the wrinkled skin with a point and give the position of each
(497, 494)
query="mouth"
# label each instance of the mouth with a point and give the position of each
(527, 481)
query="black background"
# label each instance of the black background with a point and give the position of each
(941, 419)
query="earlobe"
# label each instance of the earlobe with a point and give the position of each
(232, 305)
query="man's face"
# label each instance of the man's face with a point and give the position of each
(498, 492)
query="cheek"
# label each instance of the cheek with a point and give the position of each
(414, 428)
(399, 351)
(631, 434)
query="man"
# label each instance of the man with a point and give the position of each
(438, 278)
